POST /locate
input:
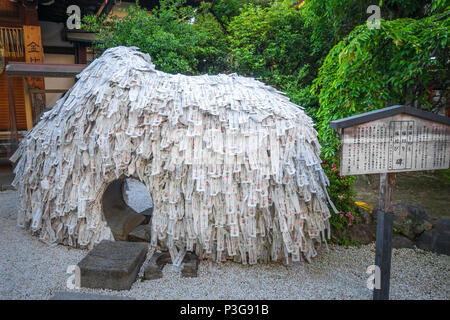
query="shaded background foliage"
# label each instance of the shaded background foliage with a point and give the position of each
(273, 44)
(319, 52)
(375, 68)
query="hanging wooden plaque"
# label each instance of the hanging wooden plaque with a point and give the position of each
(33, 52)
(395, 144)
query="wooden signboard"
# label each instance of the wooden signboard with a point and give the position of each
(35, 102)
(395, 144)
(33, 52)
(386, 141)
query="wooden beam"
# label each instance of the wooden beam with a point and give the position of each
(59, 50)
(21, 69)
(31, 15)
(105, 8)
(80, 36)
(28, 113)
(385, 113)
(47, 90)
(81, 53)
(387, 181)
(13, 14)
(100, 10)
(12, 117)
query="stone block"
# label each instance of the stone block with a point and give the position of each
(437, 239)
(411, 220)
(153, 269)
(112, 265)
(399, 241)
(190, 269)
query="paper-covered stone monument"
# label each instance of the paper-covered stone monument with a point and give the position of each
(232, 165)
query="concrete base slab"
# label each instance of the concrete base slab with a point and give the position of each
(67, 295)
(112, 265)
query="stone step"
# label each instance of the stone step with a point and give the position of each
(112, 265)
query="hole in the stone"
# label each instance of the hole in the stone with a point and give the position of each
(136, 196)
(126, 210)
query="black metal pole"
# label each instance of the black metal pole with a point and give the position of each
(383, 253)
(385, 219)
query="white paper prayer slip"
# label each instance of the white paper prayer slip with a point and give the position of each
(232, 165)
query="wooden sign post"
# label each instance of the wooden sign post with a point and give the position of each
(386, 141)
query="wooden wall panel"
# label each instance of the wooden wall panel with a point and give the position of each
(19, 99)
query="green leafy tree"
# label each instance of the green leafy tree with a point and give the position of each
(225, 10)
(272, 43)
(332, 20)
(375, 68)
(180, 39)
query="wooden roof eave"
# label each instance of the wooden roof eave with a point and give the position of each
(387, 112)
(24, 69)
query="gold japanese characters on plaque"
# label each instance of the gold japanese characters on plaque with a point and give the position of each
(397, 143)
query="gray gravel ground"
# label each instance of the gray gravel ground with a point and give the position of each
(30, 269)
